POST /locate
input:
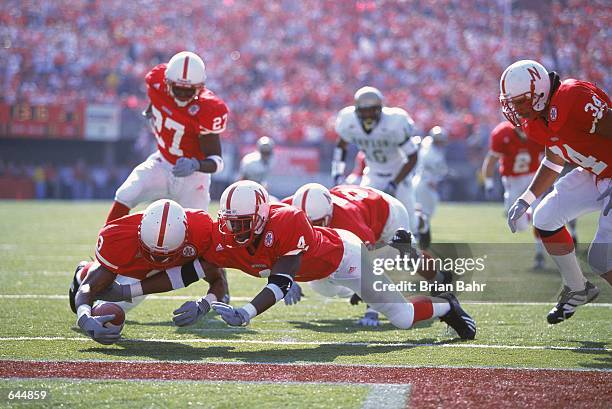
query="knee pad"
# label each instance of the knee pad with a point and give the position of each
(600, 257)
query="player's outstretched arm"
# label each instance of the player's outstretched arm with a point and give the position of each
(488, 169)
(544, 178)
(94, 283)
(191, 311)
(279, 283)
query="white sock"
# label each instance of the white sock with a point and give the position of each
(570, 271)
(440, 309)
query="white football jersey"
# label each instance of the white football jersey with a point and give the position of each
(387, 146)
(431, 166)
(253, 167)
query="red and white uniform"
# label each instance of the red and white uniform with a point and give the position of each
(177, 130)
(287, 232)
(573, 113)
(118, 247)
(519, 159)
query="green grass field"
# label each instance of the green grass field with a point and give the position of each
(41, 243)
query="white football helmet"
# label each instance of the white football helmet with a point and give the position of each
(244, 209)
(316, 201)
(439, 135)
(524, 90)
(185, 76)
(368, 106)
(265, 145)
(162, 232)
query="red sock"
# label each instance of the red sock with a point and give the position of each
(117, 210)
(423, 308)
(557, 243)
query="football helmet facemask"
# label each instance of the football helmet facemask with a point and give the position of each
(524, 91)
(368, 107)
(243, 213)
(162, 232)
(185, 76)
(316, 201)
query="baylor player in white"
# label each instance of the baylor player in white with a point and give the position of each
(383, 134)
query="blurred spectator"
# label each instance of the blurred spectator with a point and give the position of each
(286, 67)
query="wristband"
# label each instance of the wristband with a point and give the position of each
(488, 183)
(136, 289)
(528, 197)
(83, 309)
(250, 309)
(210, 298)
(552, 166)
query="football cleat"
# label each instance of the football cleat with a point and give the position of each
(448, 278)
(458, 319)
(76, 283)
(569, 301)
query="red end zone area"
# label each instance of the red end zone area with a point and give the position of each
(430, 387)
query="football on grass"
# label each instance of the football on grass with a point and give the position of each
(109, 308)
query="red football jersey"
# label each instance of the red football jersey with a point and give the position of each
(118, 249)
(360, 210)
(287, 232)
(517, 156)
(573, 113)
(177, 129)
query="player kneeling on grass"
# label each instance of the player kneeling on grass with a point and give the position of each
(158, 250)
(277, 242)
(373, 216)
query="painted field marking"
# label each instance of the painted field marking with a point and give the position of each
(470, 387)
(351, 344)
(187, 298)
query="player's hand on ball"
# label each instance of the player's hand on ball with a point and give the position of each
(370, 319)
(607, 193)
(185, 166)
(518, 209)
(190, 312)
(294, 295)
(234, 317)
(94, 327)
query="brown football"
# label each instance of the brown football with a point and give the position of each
(108, 308)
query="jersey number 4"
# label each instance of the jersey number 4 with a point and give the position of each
(588, 162)
(170, 124)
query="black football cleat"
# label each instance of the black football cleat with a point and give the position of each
(448, 279)
(458, 319)
(74, 287)
(569, 301)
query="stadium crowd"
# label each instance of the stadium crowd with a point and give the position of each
(286, 67)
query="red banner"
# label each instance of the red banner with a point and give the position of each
(42, 121)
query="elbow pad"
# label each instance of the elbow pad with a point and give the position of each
(185, 275)
(280, 284)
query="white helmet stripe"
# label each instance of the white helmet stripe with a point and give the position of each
(162, 228)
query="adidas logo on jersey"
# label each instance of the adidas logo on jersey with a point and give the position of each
(219, 247)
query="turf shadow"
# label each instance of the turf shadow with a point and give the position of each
(348, 326)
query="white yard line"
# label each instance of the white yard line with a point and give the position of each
(315, 343)
(187, 297)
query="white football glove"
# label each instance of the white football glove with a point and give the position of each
(234, 317)
(185, 166)
(518, 209)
